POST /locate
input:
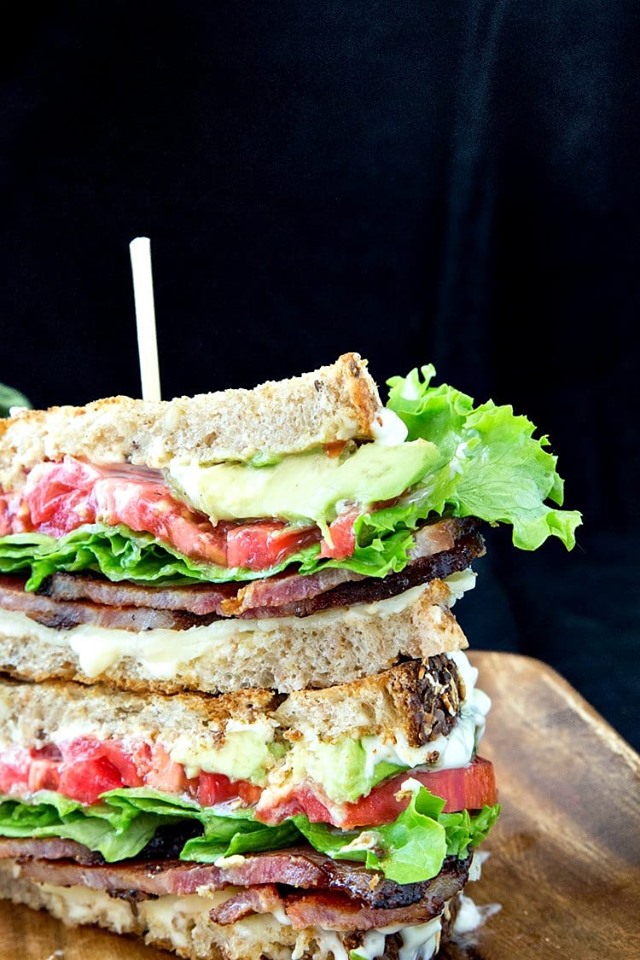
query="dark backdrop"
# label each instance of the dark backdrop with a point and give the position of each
(453, 182)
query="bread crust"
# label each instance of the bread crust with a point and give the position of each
(336, 402)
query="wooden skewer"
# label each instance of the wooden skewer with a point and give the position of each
(140, 250)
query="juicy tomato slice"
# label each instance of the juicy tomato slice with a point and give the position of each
(164, 773)
(5, 516)
(44, 775)
(148, 506)
(14, 770)
(124, 761)
(260, 545)
(57, 496)
(463, 788)
(248, 792)
(303, 800)
(60, 497)
(85, 780)
(215, 788)
(343, 538)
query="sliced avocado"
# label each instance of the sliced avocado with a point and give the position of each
(245, 754)
(339, 768)
(303, 487)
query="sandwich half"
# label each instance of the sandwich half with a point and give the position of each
(236, 715)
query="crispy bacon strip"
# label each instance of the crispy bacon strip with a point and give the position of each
(199, 599)
(63, 614)
(300, 868)
(48, 849)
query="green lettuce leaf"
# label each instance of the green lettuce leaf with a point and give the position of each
(118, 553)
(10, 397)
(492, 467)
(223, 836)
(413, 847)
(410, 849)
(223, 840)
(98, 827)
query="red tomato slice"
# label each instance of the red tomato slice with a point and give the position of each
(248, 792)
(343, 538)
(85, 780)
(44, 775)
(164, 773)
(215, 788)
(57, 496)
(124, 761)
(265, 543)
(14, 770)
(469, 788)
(463, 788)
(302, 800)
(6, 519)
(60, 497)
(148, 506)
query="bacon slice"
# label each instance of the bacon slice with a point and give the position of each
(299, 868)
(199, 599)
(62, 614)
(468, 547)
(48, 849)
(277, 592)
(261, 899)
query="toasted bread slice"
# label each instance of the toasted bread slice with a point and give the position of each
(415, 701)
(280, 653)
(335, 402)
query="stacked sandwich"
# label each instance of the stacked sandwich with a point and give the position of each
(236, 717)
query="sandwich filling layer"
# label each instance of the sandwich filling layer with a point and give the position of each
(354, 506)
(253, 771)
(248, 729)
(283, 653)
(246, 924)
(434, 720)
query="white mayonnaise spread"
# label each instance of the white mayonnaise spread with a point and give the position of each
(388, 429)
(470, 916)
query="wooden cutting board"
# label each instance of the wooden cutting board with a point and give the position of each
(564, 862)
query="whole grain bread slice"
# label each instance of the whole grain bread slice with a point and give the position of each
(339, 401)
(415, 700)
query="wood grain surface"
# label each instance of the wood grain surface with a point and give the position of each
(564, 860)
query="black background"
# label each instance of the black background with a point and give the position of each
(449, 182)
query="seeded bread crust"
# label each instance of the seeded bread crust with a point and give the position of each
(335, 402)
(283, 654)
